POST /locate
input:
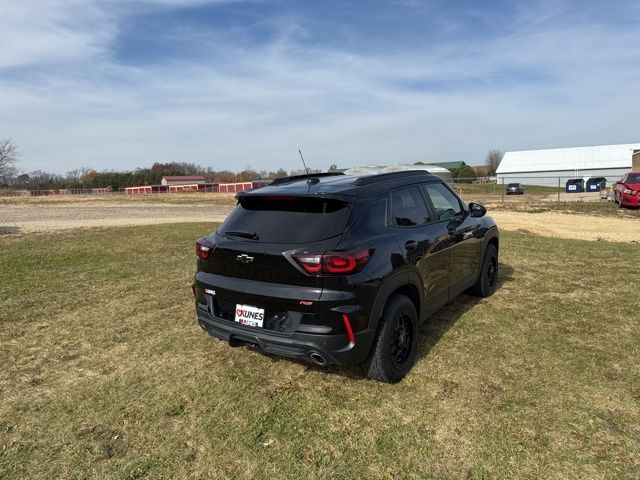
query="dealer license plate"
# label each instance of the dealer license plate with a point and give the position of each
(249, 315)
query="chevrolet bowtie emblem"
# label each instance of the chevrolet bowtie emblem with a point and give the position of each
(244, 258)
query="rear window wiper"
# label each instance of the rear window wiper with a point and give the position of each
(240, 233)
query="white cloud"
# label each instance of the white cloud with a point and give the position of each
(37, 32)
(52, 31)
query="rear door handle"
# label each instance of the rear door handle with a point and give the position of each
(410, 244)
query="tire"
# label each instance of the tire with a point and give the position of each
(394, 350)
(488, 279)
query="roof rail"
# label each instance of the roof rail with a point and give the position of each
(295, 178)
(383, 177)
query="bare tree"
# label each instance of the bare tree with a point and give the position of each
(74, 175)
(8, 156)
(492, 161)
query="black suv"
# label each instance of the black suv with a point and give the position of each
(338, 269)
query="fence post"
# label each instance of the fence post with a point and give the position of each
(559, 189)
(502, 190)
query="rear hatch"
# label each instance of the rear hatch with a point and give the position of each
(251, 262)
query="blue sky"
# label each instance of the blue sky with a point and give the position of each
(120, 84)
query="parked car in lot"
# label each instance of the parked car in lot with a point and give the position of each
(338, 269)
(627, 191)
(515, 189)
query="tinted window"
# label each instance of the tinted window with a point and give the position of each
(633, 178)
(408, 208)
(286, 219)
(369, 218)
(445, 203)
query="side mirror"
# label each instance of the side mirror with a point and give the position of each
(477, 210)
(619, 182)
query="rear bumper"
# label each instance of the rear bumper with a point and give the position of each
(335, 349)
(629, 200)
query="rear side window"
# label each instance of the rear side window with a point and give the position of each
(286, 219)
(408, 208)
(445, 203)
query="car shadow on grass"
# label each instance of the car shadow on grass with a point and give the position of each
(9, 230)
(430, 332)
(436, 326)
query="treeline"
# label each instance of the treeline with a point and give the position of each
(463, 174)
(89, 178)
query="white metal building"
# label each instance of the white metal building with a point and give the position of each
(546, 167)
(183, 180)
(372, 169)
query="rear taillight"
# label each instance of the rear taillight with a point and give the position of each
(334, 263)
(203, 249)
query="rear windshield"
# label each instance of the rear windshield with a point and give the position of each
(286, 219)
(513, 185)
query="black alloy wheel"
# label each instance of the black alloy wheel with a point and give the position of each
(401, 340)
(394, 350)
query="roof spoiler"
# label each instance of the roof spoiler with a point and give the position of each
(295, 178)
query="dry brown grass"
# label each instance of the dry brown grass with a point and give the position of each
(598, 209)
(186, 198)
(106, 375)
(48, 213)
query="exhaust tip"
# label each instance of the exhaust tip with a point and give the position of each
(318, 359)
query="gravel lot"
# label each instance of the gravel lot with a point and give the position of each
(564, 225)
(28, 218)
(41, 216)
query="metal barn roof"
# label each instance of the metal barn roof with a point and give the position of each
(578, 158)
(448, 165)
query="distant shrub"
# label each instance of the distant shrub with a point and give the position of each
(463, 174)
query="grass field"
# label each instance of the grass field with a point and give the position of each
(172, 198)
(498, 188)
(599, 209)
(106, 375)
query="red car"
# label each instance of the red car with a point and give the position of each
(627, 192)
